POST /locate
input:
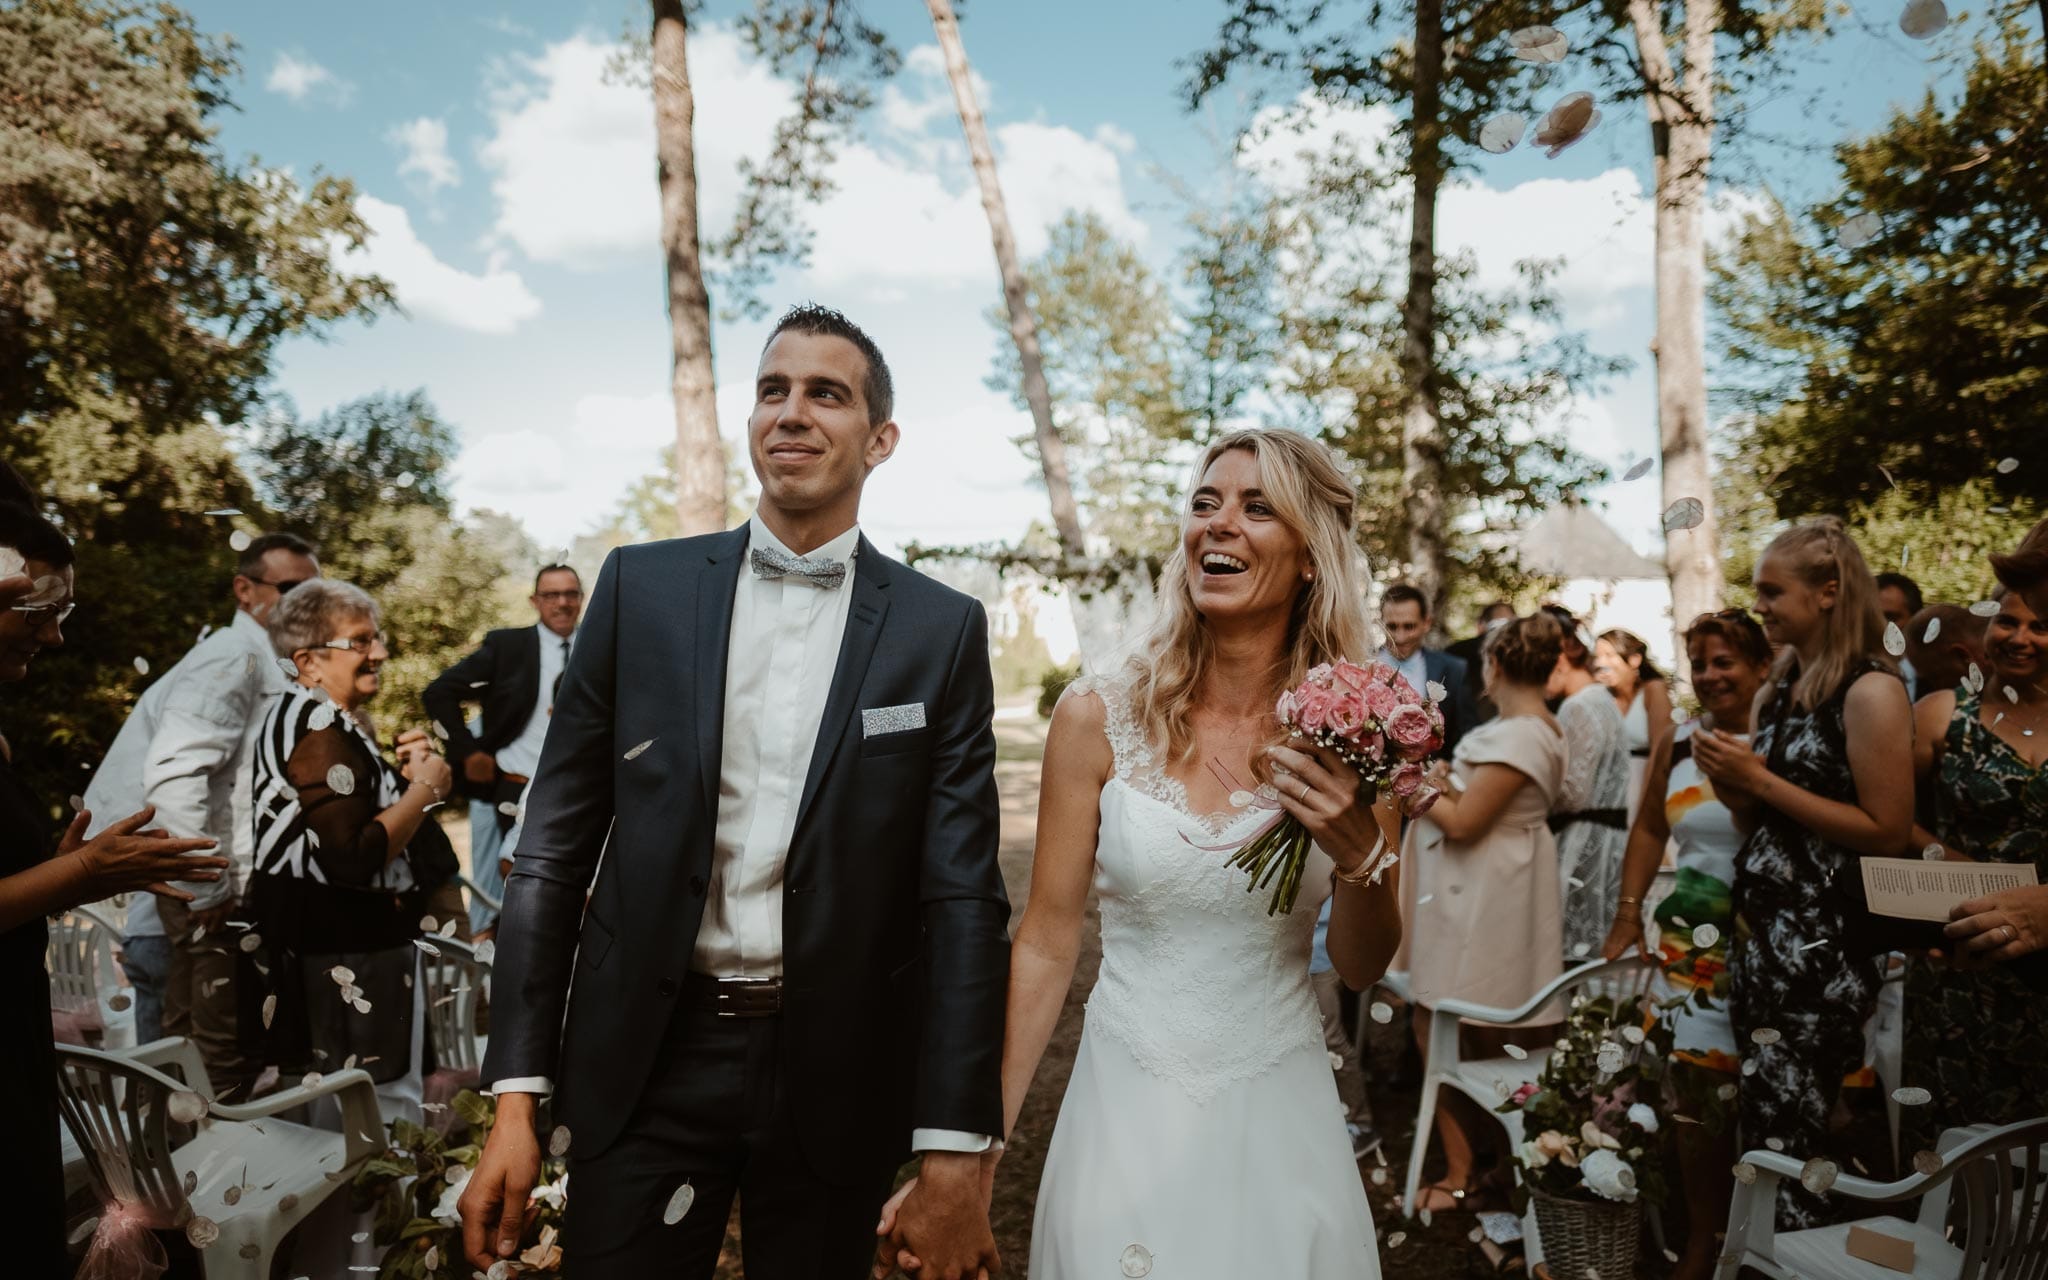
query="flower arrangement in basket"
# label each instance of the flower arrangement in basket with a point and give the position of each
(416, 1183)
(1380, 725)
(1594, 1122)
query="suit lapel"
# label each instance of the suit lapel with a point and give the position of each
(714, 583)
(863, 627)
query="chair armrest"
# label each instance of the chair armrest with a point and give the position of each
(1396, 982)
(1777, 1165)
(1551, 990)
(485, 898)
(362, 1125)
(174, 1051)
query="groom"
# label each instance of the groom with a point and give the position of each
(791, 970)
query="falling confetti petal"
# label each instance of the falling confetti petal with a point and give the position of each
(1911, 1096)
(500, 1270)
(1749, 1067)
(361, 1006)
(1775, 1144)
(341, 780)
(679, 1204)
(2006, 466)
(1479, 1233)
(1818, 1174)
(1932, 853)
(1686, 513)
(322, 717)
(1859, 230)
(1610, 1058)
(448, 926)
(202, 1232)
(1927, 1162)
(342, 974)
(186, 1107)
(634, 754)
(1985, 609)
(510, 808)
(1632, 1034)
(2012, 695)
(486, 951)
(1924, 19)
(1503, 133)
(239, 540)
(1639, 470)
(1136, 1261)
(225, 511)
(1540, 44)
(250, 941)
(558, 1141)
(1515, 1051)
(1379, 1177)
(1426, 1217)
(231, 1197)
(1933, 630)
(1397, 1239)
(141, 666)
(250, 1251)
(119, 1001)
(269, 1010)
(1382, 1012)
(1894, 640)
(1568, 123)
(77, 804)
(1726, 1093)
(1705, 936)
(426, 946)
(405, 479)
(290, 668)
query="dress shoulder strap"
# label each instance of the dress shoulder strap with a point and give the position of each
(1128, 746)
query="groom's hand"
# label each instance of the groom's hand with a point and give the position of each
(942, 1224)
(493, 1203)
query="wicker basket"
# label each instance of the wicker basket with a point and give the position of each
(1585, 1239)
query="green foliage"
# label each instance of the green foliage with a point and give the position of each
(1919, 360)
(1053, 685)
(146, 281)
(1018, 659)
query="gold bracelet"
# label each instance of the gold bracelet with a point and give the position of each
(1363, 873)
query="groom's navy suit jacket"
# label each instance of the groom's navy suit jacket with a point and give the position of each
(895, 951)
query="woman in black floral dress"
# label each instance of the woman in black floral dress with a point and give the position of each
(1977, 1040)
(1826, 778)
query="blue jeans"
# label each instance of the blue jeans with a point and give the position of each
(147, 962)
(484, 842)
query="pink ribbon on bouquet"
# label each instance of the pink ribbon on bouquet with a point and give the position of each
(124, 1246)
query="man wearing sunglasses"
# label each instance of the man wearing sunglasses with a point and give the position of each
(185, 749)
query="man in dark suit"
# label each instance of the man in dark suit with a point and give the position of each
(1469, 651)
(792, 970)
(1404, 616)
(513, 675)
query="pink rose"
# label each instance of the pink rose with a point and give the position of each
(1353, 677)
(1406, 692)
(1409, 727)
(1312, 708)
(1380, 700)
(1319, 674)
(1286, 708)
(1382, 672)
(1347, 714)
(1371, 747)
(1407, 780)
(1526, 1092)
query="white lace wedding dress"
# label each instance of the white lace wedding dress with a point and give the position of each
(1201, 1135)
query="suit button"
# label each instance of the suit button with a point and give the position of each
(696, 886)
(666, 987)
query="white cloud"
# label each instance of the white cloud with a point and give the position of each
(425, 145)
(300, 78)
(495, 301)
(574, 169)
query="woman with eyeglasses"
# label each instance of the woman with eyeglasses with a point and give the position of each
(1730, 659)
(42, 874)
(1825, 779)
(339, 832)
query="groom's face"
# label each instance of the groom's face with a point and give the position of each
(809, 437)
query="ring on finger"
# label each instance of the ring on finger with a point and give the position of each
(2011, 933)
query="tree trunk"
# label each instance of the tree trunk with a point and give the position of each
(1682, 130)
(1052, 450)
(700, 457)
(1422, 441)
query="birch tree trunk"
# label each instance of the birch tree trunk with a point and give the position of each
(700, 456)
(1052, 450)
(1682, 131)
(1422, 442)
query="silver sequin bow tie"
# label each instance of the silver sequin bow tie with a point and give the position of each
(771, 563)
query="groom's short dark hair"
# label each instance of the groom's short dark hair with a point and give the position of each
(878, 389)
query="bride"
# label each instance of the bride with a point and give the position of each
(1201, 1134)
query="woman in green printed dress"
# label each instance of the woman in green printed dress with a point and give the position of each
(1977, 1040)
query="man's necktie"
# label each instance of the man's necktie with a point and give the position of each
(771, 563)
(555, 691)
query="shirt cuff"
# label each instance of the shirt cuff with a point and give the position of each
(539, 1086)
(950, 1140)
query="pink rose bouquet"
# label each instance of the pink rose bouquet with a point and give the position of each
(1379, 725)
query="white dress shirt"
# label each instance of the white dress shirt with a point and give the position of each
(522, 754)
(779, 663)
(186, 748)
(1414, 669)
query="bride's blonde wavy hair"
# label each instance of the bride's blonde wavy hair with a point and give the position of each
(1312, 497)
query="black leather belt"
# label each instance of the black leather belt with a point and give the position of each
(1616, 818)
(734, 997)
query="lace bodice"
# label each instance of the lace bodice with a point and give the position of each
(1198, 982)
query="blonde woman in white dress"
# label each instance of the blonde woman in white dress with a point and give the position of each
(1201, 1136)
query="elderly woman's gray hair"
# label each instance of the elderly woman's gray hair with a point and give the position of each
(312, 613)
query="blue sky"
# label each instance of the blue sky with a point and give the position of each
(513, 199)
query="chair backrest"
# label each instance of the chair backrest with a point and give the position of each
(2001, 1203)
(119, 1112)
(453, 979)
(478, 895)
(81, 959)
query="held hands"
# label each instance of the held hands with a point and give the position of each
(1322, 792)
(936, 1225)
(125, 858)
(419, 764)
(494, 1200)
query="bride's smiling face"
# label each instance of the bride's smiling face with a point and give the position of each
(1243, 560)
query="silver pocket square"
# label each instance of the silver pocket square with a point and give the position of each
(875, 721)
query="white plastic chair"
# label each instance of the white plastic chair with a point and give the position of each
(490, 903)
(117, 1107)
(80, 958)
(453, 979)
(2001, 1218)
